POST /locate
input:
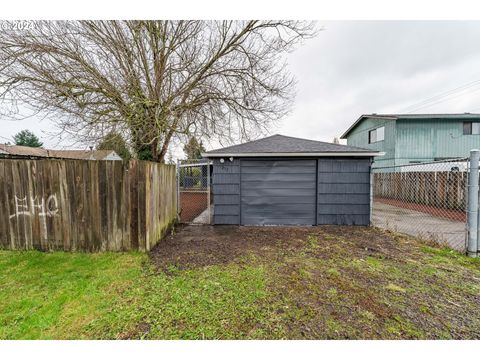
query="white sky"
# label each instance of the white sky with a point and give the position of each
(356, 67)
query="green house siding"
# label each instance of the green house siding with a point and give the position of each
(429, 140)
(359, 137)
(410, 140)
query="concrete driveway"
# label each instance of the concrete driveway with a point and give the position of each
(419, 224)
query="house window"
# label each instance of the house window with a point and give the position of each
(381, 133)
(471, 128)
(376, 135)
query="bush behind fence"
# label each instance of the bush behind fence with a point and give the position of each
(82, 205)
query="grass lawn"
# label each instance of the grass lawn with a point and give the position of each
(59, 295)
(239, 282)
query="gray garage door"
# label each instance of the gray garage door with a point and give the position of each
(278, 192)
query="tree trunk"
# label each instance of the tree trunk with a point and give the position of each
(165, 144)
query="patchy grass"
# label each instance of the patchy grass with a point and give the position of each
(246, 283)
(220, 302)
(394, 287)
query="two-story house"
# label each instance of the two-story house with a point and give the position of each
(415, 138)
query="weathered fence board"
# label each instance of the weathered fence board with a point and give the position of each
(82, 205)
(442, 189)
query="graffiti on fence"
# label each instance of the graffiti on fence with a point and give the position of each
(31, 206)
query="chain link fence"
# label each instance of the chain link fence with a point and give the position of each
(194, 191)
(426, 200)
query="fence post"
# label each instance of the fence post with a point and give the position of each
(178, 190)
(208, 193)
(372, 179)
(472, 215)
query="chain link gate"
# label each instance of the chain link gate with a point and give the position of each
(194, 191)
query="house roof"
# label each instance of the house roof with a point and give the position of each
(18, 150)
(81, 154)
(280, 145)
(21, 150)
(459, 116)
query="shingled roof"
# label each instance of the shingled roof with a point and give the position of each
(280, 145)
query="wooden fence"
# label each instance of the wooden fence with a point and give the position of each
(84, 205)
(443, 189)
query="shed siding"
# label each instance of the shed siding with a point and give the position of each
(226, 192)
(343, 191)
(292, 191)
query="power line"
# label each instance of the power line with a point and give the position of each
(443, 100)
(436, 98)
(446, 93)
(443, 94)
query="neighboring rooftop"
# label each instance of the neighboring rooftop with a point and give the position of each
(26, 151)
(281, 145)
(460, 116)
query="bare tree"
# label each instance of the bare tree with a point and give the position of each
(153, 81)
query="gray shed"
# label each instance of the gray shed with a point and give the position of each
(282, 180)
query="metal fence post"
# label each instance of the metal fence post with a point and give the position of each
(472, 215)
(372, 179)
(208, 193)
(178, 190)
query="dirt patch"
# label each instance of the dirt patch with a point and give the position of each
(197, 246)
(192, 204)
(451, 214)
(140, 331)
